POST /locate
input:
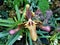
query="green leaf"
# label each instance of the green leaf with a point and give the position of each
(16, 2)
(1, 44)
(41, 32)
(30, 40)
(17, 12)
(3, 34)
(6, 21)
(53, 37)
(14, 25)
(57, 18)
(22, 18)
(6, 25)
(43, 5)
(13, 38)
(45, 36)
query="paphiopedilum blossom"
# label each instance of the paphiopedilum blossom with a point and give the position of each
(31, 25)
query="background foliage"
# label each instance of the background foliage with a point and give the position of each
(8, 23)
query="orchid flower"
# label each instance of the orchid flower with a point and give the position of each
(31, 25)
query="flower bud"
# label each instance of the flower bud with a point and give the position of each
(46, 28)
(12, 32)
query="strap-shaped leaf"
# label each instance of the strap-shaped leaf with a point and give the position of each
(16, 2)
(17, 12)
(57, 18)
(58, 37)
(13, 39)
(22, 18)
(30, 40)
(1, 44)
(3, 34)
(41, 32)
(6, 25)
(6, 21)
(45, 36)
